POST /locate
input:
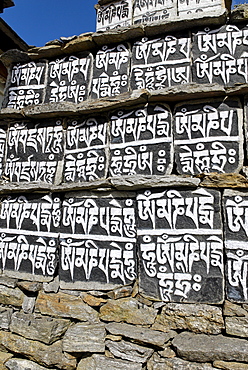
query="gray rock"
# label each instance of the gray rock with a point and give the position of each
(52, 287)
(10, 296)
(98, 362)
(176, 364)
(143, 335)
(38, 327)
(14, 56)
(84, 338)
(237, 326)
(206, 348)
(232, 309)
(5, 317)
(28, 304)
(140, 181)
(230, 365)
(199, 318)
(129, 351)
(20, 364)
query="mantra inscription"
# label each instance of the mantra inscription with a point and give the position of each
(206, 56)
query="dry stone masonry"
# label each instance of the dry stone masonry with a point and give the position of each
(124, 201)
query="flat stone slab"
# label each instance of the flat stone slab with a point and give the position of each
(20, 364)
(237, 326)
(205, 348)
(98, 362)
(176, 364)
(84, 338)
(129, 351)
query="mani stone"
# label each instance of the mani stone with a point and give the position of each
(114, 15)
(10, 296)
(208, 136)
(98, 362)
(128, 310)
(38, 327)
(84, 338)
(199, 318)
(45, 355)
(205, 348)
(65, 305)
(142, 335)
(237, 326)
(21, 364)
(129, 351)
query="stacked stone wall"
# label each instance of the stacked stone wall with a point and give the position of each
(124, 201)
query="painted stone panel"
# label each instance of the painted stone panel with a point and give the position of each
(35, 152)
(208, 136)
(199, 6)
(69, 79)
(141, 141)
(180, 245)
(26, 85)
(220, 56)
(29, 234)
(3, 143)
(246, 122)
(86, 149)
(111, 71)
(153, 11)
(159, 63)
(114, 15)
(98, 240)
(235, 204)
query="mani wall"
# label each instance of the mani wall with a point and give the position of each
(124, 203)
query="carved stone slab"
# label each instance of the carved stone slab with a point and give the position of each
(199, 6)
(26, 85)
(3, 139)
(85, 152)
(141, 141)
(246, 122)
(235, 204)
(69, 79)
(29, 234)
(35, 152)
(180, 245)
(153, 11)
(220, 55)
(98, 240)
(208, 136)
(114, 15)
(111, 71)
(159, 63)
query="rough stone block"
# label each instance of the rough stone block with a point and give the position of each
(235, 205)
(10, 296)
(206, 348)
(208, 136)
(176, 364)
(141, 141)
(129, 351)
(69, 78)
(237, 326)
(114, 15)
(215, 61)
(154, 68)
(86, 150)
(26, 85)
(98, 238)
(51, 356)
(98, 362)
(230, 365)
(127, 310)
(142, 335)
(21, 364)
(180, 245)
(111, 71)
(38, 327)
(35, 152)
(84, 338)
(199, 318)
(5, 317)
(65, 305)
(4, 357)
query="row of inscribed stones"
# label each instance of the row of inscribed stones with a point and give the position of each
(174, 238)
(212, 56)
(208, 137)
(127, 12)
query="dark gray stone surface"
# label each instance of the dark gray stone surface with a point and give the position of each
(111, 71)
(180, 245)
(141, 141)
(69, 78)
(208, 136)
